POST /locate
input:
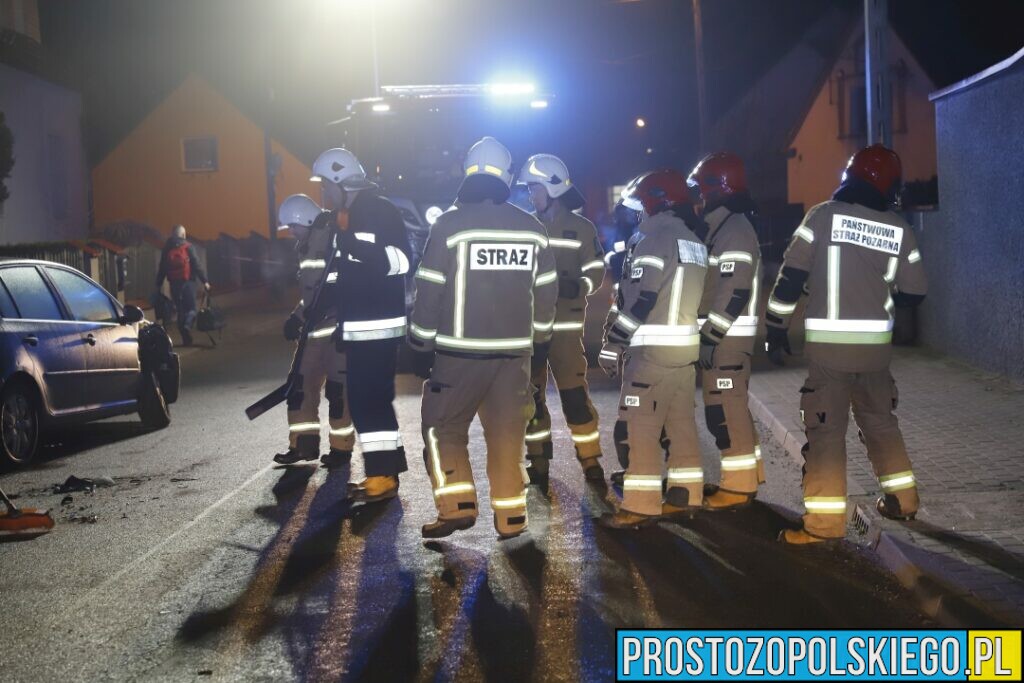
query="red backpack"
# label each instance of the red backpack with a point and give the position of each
(179, 267)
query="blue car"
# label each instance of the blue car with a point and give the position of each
(71, 353)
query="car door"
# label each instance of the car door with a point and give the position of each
(112, 349)
(55, 346)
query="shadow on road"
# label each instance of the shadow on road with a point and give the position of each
(353, 603)
(68, 441)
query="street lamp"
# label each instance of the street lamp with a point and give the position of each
(640, 123)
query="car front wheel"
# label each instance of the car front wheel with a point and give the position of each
(153, 408)
(19, 420)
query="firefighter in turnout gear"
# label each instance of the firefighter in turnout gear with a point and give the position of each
(578, 258)
(369, 297)
(653, 329)
(323, 368)
(487, 288)
(728, 320)
(859, 260)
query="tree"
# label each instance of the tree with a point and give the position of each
(6, 156)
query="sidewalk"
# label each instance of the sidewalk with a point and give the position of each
(964, 554)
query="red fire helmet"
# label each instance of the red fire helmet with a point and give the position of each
(718, 176)
(656, 191)
(878, 166)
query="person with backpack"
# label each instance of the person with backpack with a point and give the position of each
(181, 267)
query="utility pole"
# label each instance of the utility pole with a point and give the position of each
(373, 39)
(698, 44)
(876, 72)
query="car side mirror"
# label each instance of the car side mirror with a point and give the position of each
(132, 315)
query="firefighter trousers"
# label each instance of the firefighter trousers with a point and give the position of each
(656, 398)
(728, 418)
(499, 391)
(371, 390)
(569, 366)
(825, 402)
(322, 370)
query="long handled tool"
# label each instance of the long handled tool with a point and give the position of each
(26, 523)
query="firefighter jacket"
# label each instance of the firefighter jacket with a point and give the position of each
(655, 311)
(855, 260)
(487, 283)
(728, 309)
(579, 261)
(372, 265)
(313, 254)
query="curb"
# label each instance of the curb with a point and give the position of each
(950, 606)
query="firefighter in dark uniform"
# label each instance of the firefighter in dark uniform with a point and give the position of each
(859, 261)
(369, 297)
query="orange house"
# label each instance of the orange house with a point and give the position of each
(199, 161)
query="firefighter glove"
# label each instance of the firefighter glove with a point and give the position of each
(777, 345)
(422, 362)
(610, 359)
(707, 352)
(292, 327)
(568, 289)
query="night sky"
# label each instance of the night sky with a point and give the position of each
(295, 64)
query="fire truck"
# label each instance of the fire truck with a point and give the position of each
(412, 139)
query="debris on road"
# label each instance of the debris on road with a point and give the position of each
(83, 519)
(67, 500)
(103, 481)
(73, 484)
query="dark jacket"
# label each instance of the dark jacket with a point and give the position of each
(370, 292)
(195, 266)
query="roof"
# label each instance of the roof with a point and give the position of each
(767, 117)
(234, 102)
(981, 76)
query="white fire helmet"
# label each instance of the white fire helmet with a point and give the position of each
(489, 157)
(341, 167)
(547, 170)
(297, 210)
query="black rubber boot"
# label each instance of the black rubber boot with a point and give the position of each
(336, 458)
(538, 470)
(446, 527)
(889, 507)
(307, 447)
(592, 470)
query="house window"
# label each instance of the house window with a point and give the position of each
(852, 102)
(199, 154)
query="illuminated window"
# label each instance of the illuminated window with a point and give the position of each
(199, 154)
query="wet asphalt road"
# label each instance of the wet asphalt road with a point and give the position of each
(204, 561)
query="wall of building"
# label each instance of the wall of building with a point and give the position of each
(973, 247)
(49, 182)
(820, 154)
(143, 178)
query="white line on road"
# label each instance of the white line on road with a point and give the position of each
(162, 544)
